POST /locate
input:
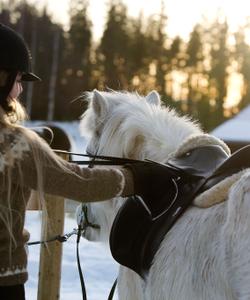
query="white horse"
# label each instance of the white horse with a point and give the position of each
(206, 254)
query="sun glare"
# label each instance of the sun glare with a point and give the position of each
(237, 12)
(182, 15)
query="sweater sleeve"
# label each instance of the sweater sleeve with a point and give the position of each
(81, 184)
(38, 167)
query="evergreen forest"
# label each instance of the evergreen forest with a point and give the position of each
(194, 76)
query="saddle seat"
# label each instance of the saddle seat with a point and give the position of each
(137, 231)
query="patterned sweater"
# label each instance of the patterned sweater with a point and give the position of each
(23, 163)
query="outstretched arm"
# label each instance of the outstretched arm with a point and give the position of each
(32, 164)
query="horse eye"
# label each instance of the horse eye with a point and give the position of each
(187, 154)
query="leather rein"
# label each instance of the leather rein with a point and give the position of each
(99, 159)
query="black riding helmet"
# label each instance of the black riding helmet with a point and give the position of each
(14, 54)
(14, 57)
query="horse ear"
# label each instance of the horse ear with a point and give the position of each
(99, 103)
(153, 98)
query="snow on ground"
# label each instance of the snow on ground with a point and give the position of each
(99, 269)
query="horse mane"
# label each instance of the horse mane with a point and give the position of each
(129, 125)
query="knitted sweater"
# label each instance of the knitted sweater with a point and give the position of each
(23, 163)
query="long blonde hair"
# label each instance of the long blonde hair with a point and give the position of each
(41, 153)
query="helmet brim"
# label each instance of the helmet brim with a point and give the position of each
(30, 77)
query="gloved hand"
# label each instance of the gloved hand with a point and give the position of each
(155, 184)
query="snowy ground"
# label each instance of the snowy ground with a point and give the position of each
(98, 267)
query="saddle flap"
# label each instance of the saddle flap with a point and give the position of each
(128, 233)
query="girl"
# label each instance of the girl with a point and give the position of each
(27, 162)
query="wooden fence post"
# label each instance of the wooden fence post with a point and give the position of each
(51, 254)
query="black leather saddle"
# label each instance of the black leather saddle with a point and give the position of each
(137, 231)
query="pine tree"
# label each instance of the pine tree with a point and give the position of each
(137, 60)
(194, 68)
(114, 47)
(43, 62)
(76, 66)
(242, 56)
(218, 74)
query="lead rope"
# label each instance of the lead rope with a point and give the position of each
(83, 223)
(59, 238)
(84, 294)
(64, 238)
